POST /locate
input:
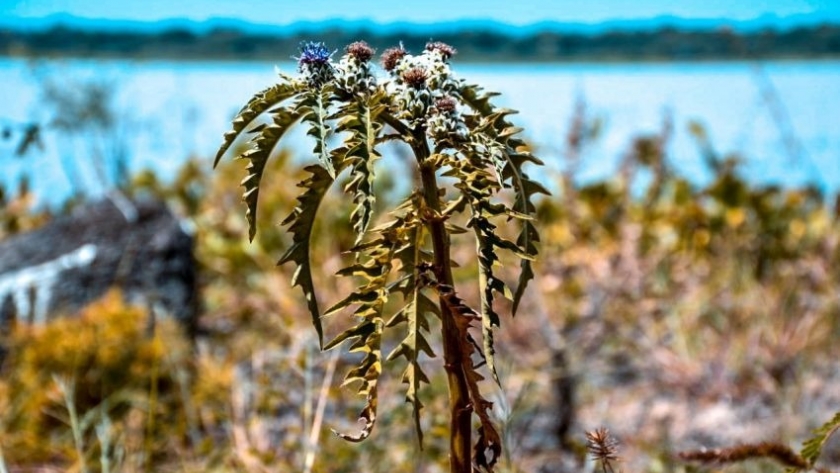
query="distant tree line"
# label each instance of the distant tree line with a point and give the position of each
(478, 45)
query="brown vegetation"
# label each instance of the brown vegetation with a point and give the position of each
(695, 317)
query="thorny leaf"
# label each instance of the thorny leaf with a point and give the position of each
(374, 268)
(489, 441)
(812, 448)
(361, 121)
(257, 105)
(414, 315)
(300, 223)
(313, 110)
(266, 139)
(514, 152)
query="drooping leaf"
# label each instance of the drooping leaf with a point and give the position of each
(514, 151)
(367, 373)
(361, 121)
(414, 315)
(266, 139)
(487, 283)
(300, 223)
(257, 105)
(528, 236)
(478, 187)
(373, 267)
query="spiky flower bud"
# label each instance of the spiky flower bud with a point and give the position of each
(360, 50)
(444, 49)
(445, 123)
(603, 447)
(446, 105)
(354, 74)
(415, 77)
(391, 57)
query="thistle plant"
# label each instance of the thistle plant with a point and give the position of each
(453, 131)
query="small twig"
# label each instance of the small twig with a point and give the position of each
(315, 433)
(776, 451)
(68, 393)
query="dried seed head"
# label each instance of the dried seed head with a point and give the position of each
(360, 50)
(391, 57)
(602, 446)
(415, 77)
(444, 49)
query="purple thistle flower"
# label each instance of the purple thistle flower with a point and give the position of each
(313, 53)
(314, 63)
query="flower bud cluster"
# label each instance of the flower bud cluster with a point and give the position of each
(354, 74)
(419, 81)
(445, 121)
(314, 63)
(422, 86)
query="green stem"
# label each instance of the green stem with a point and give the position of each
(460, 442)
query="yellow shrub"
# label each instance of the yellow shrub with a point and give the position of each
(108, 358)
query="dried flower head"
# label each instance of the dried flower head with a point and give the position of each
(360, 50)
(446, 105)
(313, 53)
(415, 77)
(444, 49)
(391, 57)
(602, 447)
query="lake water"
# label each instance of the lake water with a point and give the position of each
(783, 118)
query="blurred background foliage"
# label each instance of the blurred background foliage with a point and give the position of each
(679, 315)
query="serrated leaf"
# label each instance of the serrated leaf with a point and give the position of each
(367, 372)
(417, 306)
(359, 331)
(500, 130)
(300, 223)
(486, 284)
(257, 105)
(313, 109)
(373, 265)
(367, 297)
(266, 139)
(489, 439)
(361, 121)
(478, 188)
(812, 448)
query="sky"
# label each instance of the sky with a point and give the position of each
(280, 12)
